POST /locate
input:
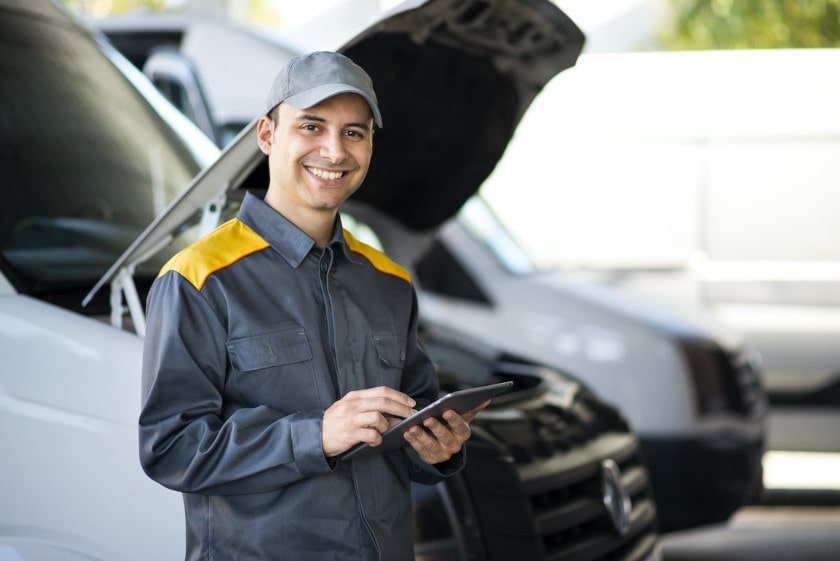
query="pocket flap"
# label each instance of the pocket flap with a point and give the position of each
(269, 349)
(391, 349)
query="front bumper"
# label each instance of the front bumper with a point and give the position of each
(698, 482)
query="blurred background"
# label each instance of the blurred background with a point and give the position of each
(610, 25)
(698, 164)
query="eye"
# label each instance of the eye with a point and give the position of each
(310, 127)
(356, 134)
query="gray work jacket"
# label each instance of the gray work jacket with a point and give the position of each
(252, 333)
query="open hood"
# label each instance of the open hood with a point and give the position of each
(453, 78)
(453, 81)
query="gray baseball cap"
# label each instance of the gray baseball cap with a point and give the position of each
(309, 79)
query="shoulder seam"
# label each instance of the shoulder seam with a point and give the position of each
(222, 247)
(376, 258)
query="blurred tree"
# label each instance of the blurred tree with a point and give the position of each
(264, 11)
(751, 24)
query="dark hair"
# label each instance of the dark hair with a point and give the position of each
(273, 114)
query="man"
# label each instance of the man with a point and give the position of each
(278, 342)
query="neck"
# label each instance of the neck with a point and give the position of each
(322, 233)
(318, 224)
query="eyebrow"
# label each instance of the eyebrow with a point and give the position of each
(311, 117)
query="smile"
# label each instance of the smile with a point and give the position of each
(324, 174)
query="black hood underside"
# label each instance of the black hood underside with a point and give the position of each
(453, 80)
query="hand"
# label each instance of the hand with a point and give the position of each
(442, 439)
(359, 416)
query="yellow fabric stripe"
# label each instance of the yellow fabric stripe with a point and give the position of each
(228, 243)
(379, 260)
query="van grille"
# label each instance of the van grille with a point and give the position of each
(535, 476)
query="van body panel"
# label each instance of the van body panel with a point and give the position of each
(69, 392)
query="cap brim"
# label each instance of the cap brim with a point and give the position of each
(314, 96)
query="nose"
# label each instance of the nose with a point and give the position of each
(332, 148)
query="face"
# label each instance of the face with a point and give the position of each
(317, 156)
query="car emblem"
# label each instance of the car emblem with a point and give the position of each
(615, 497)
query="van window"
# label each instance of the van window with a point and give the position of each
(483, 224)
(85, 162)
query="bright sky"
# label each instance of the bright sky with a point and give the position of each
(296, 12)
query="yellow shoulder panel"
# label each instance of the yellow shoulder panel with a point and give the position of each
(379, 260)
(223, 246)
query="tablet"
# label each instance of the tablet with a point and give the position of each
(460, 402)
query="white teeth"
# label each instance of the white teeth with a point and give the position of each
(324, 174)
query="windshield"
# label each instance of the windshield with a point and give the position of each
(485, 226)
(85, 162)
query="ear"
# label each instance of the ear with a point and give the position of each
(265, 134)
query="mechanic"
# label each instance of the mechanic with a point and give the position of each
(277, 342)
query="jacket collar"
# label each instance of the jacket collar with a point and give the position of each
(286, 238)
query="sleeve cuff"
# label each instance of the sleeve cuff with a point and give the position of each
(307, 447)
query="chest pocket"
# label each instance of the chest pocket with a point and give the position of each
(274, 369)
(390, 352)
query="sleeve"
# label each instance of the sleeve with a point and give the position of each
(188, 441)
(420, 382)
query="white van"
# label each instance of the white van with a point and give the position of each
(690, 387)
(700, 180)
(90, 153)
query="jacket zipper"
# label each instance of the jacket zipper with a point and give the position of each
(362, 512)
(324, 267)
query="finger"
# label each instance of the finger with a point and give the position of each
(438, 430)
(372, 420)
(371, 436)
(452, 432)
(383, 405)
(470, 415)
(455, 424)
(393, 409)
(438, 438)
(428, 446)
(384, 393)
(341, 435)
(441, 433)
(421, 441)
